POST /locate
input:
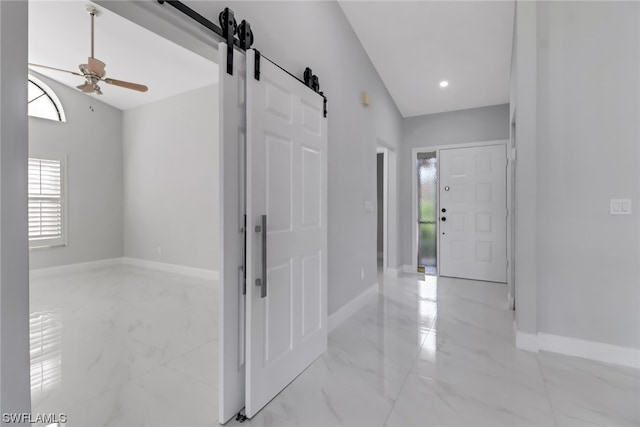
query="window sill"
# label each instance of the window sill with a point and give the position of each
(60, 245)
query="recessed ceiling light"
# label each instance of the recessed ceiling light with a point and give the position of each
(444, 83)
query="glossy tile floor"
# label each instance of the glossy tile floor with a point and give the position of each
(132, 347)
(440, 352)
(125, 346)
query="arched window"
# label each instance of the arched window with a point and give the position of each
(43, 102)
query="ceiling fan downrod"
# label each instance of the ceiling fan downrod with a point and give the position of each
(92, 11)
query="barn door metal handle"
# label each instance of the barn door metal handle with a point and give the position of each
(263, 282)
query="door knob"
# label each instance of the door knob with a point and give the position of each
(444, 218)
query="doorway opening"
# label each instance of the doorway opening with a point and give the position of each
(123, 224)
(427, 212)
(384, 161)
(380, 201)
(511, 232)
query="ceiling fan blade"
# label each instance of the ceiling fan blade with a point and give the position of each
(86, 88)
(96, 66)
(128, 85)
(55, 69)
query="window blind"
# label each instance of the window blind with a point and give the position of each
(45, 202)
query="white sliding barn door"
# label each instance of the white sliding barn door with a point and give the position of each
(287, 191)
(473, 213)
(232, 204)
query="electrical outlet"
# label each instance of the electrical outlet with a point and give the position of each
(159, 250)
(362, 274)
(620, 207)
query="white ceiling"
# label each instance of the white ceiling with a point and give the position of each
(59, 36)
(416, 44)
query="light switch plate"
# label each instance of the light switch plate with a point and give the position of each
(620, 207)
(368, 207)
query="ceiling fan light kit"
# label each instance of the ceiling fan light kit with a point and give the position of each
(94, 70)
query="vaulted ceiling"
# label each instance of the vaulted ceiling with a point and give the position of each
(414, 45)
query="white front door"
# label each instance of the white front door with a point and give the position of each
(232, 200)
(287, 224)
(473, 213)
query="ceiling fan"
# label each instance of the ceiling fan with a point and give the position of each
(94, 70)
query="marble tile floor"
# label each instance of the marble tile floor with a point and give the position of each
(440, 352)
(125, 346)
(132, 347)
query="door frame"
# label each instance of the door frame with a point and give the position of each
(414, 199)
(391, 206)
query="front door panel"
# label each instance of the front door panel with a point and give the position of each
(473, 225)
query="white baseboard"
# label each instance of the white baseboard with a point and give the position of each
(593, 350)
(352, 307)
(602, 352)
(393, 272)
(85, 266)
(172, 268)
(73, 268)
(527, 341)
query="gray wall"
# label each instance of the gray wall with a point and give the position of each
(14, 268)
(345, 70)
(295, 35)
(170, 180)
(380, 197)
(588, 153)
(92, 142)
(455, 127)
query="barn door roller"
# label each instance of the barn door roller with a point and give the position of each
(229, 28)
(313, 82)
